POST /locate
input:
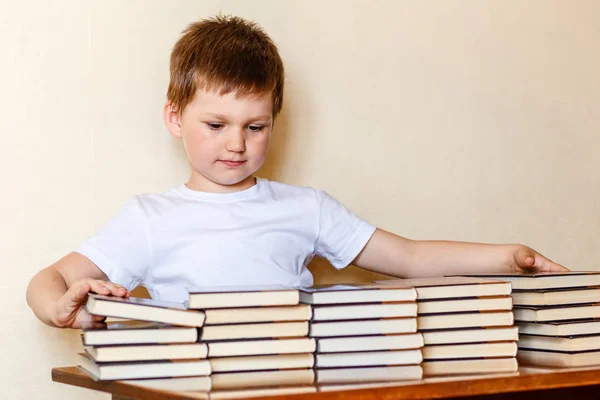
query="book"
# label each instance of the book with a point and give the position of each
(370, 343)
(300, 312)
(261, 347)
(140, 370)
(261, 392)
(450, 287)
(465, 320)
(254, 331)
(288, 377)
(146, 352)
(467, 335)
(567, 344)
(546, 280)
(363, 327)
(262, 363)
(556, 313)
(355, 293)
(560, 328)
(558, 359)
(542, 297)
(143, 309)
(469, 366)
(242, 296)
(138, 332)
(364, 311)
(368, 374)
(186, 384)
(470, 350)
(497, 303)
(368, 358)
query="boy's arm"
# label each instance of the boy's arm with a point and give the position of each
(57, 293)
(394, 255)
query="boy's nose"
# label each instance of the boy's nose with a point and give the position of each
(236, 141)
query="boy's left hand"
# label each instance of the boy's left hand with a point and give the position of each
(525, 259)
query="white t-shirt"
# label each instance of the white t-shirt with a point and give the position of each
(266, 234)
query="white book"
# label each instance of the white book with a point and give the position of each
(262, 363)
(452, 287)
(546, 280)
(543, 297)
(147, 352)
(364, 311)
(253, 379)
(370, 343)
(368, 358)
(261, 347)
(220, 316)
(355, 293)
(558, 359)
(472, 366)
(369, 374)
(477, 335)
(242, 296)
(465, 320)
(464, 305)
(560, 328)
(566, 344)
(470, 350)
(363, 327)
(556, 313)
(138, 332)
(254, 331)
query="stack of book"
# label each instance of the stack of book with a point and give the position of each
(256, 336)
(558, 315)
(467, 325)
(158, 340)
(364, 332)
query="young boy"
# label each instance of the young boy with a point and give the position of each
(225, 227)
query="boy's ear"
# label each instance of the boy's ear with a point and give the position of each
(172, 120)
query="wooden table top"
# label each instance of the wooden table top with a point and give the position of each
(527, 380)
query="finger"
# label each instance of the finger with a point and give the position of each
(551, 266)
(98, 286)
(116, 290)
(524, 258)
(98, 318)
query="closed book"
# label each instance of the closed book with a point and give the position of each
(558, 359)
(143, 369)
(253, 331)
(261, 347)
(560, 328)
(468, 335)
(369, 374)
(143, 309)
(450, 287)
(543, 297)
(146, 352)
(363, 327)
(465, 320)
(557, 313)
(138, 332)
(262, 363)
(242, 296)
(500, 303)
(567, 344)
(546, 280)
(186, 384)
(470, 366)
(300, 312)
(253, 379)
(364, 311)
(355, 293)
(261, 392)
(368, 358)
(369, 343)
(470, 350)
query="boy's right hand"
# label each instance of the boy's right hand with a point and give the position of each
(69, 311)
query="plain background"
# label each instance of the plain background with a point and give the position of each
(466, 120)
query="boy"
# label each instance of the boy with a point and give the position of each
(224, 226)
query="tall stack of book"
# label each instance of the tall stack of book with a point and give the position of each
(467, 325)
(256, 335)
(558, 315)
(158, 340)
(364, 332)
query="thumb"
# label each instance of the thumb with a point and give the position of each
(524, 258)
(78, 294)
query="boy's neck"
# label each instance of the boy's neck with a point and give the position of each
(208, 186)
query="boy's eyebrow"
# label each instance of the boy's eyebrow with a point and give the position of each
(221, 116)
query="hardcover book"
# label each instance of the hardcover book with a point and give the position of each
(242, 296)
(451, 287)
(546, 280)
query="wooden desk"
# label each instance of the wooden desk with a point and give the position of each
(564, 385)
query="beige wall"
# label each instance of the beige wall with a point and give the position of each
(470, 120)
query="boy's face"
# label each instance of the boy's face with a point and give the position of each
(225, 138)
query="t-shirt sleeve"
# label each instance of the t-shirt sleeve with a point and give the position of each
(342, 235)
(121, 248)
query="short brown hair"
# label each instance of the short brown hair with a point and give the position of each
(228, 54)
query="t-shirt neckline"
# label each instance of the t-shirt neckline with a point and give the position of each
(222, 197)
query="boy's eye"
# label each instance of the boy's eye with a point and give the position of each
(214, 127)
(255, 128)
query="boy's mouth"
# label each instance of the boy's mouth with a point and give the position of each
(230, 163)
